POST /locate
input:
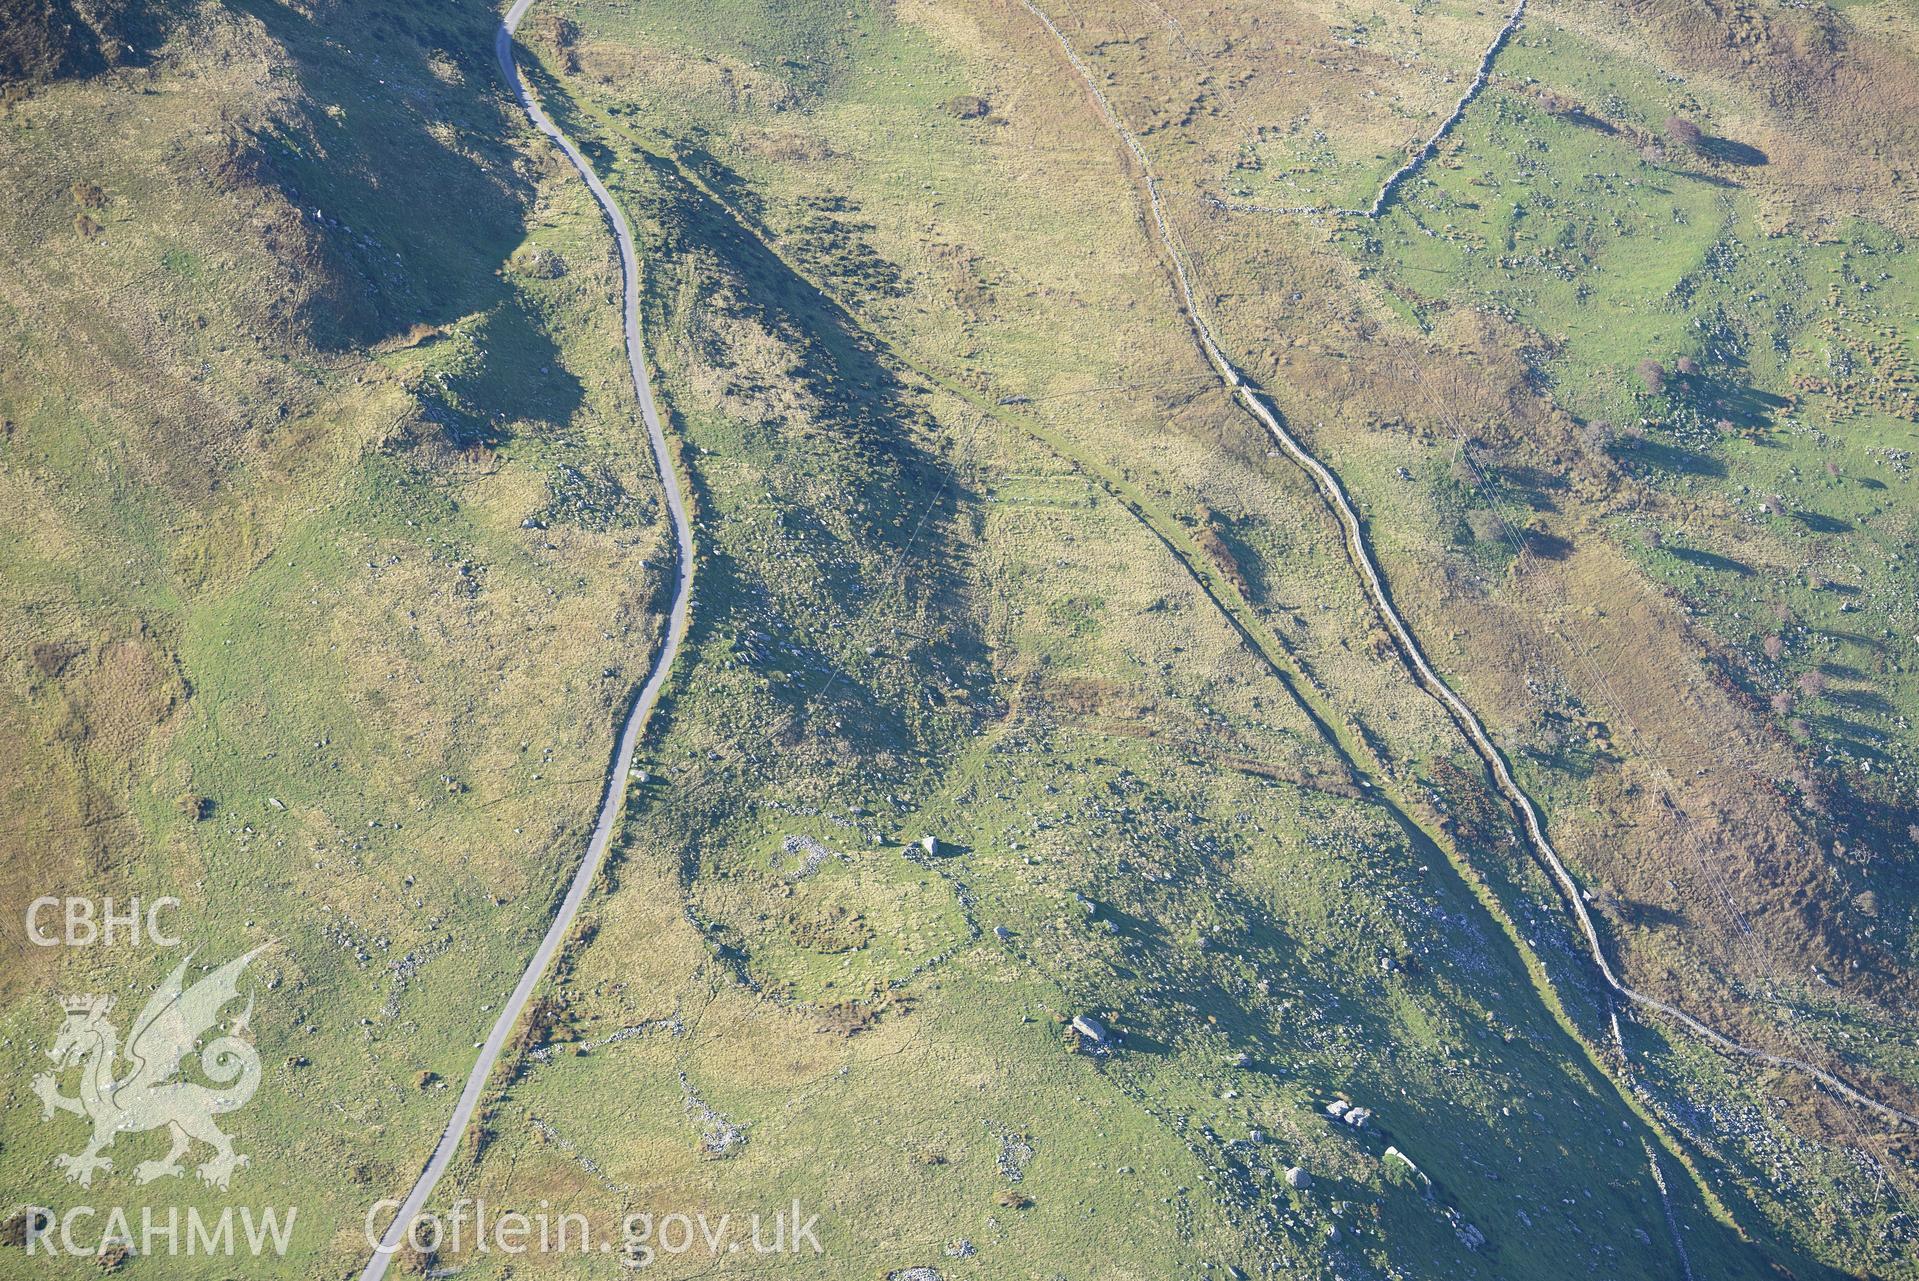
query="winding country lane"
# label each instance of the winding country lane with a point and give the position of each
(636, 719)
(1334, 495)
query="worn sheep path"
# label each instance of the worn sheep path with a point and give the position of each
(636, 719)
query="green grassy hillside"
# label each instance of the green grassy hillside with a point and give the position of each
(332, 550)
(1202, 806)
(1027, 682)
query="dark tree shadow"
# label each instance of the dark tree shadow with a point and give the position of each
(1862, 700)
(1671, 458)
(1723, 393)
(1859, 738)
(1873, 643)
(1547, 545)
(1533, 486)
(1246, 560)
(1728, 152)
(1821, 524)
(1709, 179)
(1586, 120)
(1645, 915)
(1712, 560)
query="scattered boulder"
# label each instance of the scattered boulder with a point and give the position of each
(1298, 1178)
(1394, 1154)
(1091, 1030)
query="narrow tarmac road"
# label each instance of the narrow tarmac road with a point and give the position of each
(643, 706)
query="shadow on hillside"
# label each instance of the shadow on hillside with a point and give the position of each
(1820, 523)
(1724, 394)
(1671, 458)
(409, 198)
(1728, 152)
(43, 40)
(1705, 178)
(1713, 561)
(1545, 544)
(868, 531)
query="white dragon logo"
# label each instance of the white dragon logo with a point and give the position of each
(146, 1097)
